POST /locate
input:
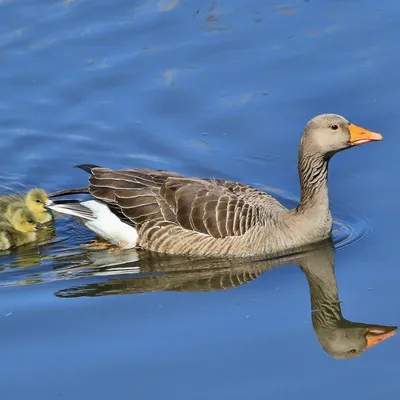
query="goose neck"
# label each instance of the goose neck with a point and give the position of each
(313, 173)
(325, 304)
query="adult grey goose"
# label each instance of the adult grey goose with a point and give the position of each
(167, 212)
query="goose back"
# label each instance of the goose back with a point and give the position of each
(177, 214)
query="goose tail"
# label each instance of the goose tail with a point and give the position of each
(68, 192)
(87, 167)
(71, 207)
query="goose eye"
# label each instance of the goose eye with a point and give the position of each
(353, 351)
(334, 127)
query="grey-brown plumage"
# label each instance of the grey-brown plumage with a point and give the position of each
(186, 215)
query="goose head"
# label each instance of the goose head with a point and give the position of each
(326, 134)
(24, 221)
(35, 201)
(352, 339)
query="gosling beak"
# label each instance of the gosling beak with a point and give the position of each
(377, 334)
(39, 226)
(360, 135)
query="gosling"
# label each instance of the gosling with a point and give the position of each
(18, 226)
(35, 200)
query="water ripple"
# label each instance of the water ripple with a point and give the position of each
(350, 226)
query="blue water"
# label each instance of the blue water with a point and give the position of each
(218, 88)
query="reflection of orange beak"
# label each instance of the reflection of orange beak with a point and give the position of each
(360, 135)
(377, 334)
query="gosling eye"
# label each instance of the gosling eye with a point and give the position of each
(30, 221)
(334, 127)
(353, 351)
(38, 201)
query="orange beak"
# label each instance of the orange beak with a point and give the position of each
(377, 334)
(360, 135)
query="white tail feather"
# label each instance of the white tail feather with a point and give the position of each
(75, 209)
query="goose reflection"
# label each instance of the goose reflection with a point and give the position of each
(340, 338)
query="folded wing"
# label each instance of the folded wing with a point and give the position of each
(211, 207)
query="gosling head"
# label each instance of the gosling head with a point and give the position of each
(327, 134)
(35, 200)
(23, 220)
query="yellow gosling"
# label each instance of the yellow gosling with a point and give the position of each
(35, 200)
(18, 226)
(6, 240)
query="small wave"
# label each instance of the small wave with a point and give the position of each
(349, 226)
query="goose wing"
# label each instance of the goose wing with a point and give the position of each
(212, 207)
